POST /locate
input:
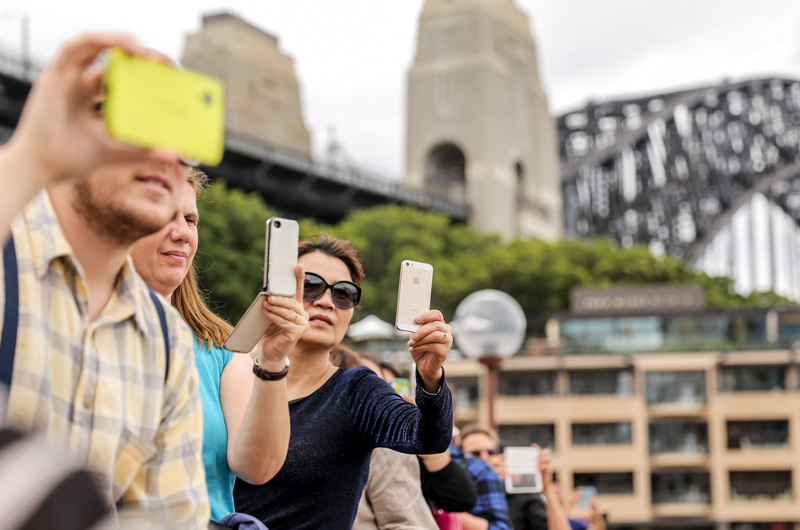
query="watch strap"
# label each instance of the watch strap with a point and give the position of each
(270, 376)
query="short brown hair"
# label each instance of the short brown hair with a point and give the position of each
(344, 357)
(336, 248)
(474, 428)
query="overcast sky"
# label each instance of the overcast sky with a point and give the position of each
(351, 56)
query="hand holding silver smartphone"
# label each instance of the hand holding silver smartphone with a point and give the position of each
(280, 262)
(413, 293)
(522, 470)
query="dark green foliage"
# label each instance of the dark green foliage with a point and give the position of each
(539, 275)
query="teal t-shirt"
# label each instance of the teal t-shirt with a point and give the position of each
(210, 363)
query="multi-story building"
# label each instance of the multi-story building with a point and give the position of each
(679, 420)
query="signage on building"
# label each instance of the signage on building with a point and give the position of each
(637, 300)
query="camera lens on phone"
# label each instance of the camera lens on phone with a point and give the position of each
(277, 224)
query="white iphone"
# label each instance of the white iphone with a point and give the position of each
(413, 293)
(280, 261)
(522, 470)
(280, 257)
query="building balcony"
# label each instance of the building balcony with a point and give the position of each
(678, 410)
(682, 509)
(681, 493)
(679, 460)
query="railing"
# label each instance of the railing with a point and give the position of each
(14, 64)
(348, 175)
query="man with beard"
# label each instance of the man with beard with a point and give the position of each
(95, 360)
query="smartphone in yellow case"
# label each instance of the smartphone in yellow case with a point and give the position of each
(155, 105)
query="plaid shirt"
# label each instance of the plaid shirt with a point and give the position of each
(98, 387)
(491, 504)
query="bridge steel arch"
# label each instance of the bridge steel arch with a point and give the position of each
(671, 170)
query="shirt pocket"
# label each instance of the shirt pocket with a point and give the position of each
(132, 453)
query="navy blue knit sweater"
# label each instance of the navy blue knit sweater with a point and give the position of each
(333, 433)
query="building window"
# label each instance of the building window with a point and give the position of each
(606, 483)
(465, 393)
(761, 485)
(752, 378)
(526, 383)
(613, 382)
(601, 433)
(676, 387)
(762, 526)
(525, 435)
(522, 200)
(445, 170)
(678, 437)
(688, 487)
(758, 434)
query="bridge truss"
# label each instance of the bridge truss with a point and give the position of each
(710, 175)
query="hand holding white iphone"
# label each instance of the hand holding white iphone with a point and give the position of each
(280, 261)
(413, 293)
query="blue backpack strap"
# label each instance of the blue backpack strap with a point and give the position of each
(8, 339)
(162, 317)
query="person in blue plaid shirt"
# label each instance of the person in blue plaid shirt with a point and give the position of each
(491, 510)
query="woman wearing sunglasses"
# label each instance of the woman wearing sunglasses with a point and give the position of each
(245, 418)
(339, 416)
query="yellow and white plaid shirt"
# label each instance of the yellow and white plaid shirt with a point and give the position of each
(98, 387)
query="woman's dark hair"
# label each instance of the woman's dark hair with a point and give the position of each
(336, 248)
(344, 357)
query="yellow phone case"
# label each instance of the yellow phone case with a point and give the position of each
(155, 105)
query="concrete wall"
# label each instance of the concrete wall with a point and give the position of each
(262, 95)
(474, 84)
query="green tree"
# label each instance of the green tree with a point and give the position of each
(539, 275)
(387, 235)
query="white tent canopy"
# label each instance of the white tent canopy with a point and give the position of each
(373, 328)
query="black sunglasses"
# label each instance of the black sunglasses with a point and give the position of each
(477, 454)
(345, 295)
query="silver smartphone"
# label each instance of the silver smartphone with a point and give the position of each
(413, 293)
(522, 470)
(587, 494)
(280, 261)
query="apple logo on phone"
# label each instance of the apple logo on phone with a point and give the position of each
(416, 280)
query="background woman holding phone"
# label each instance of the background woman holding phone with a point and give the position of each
(245, 418)
(339, 416)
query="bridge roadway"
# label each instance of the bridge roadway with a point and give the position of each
(295, 186)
